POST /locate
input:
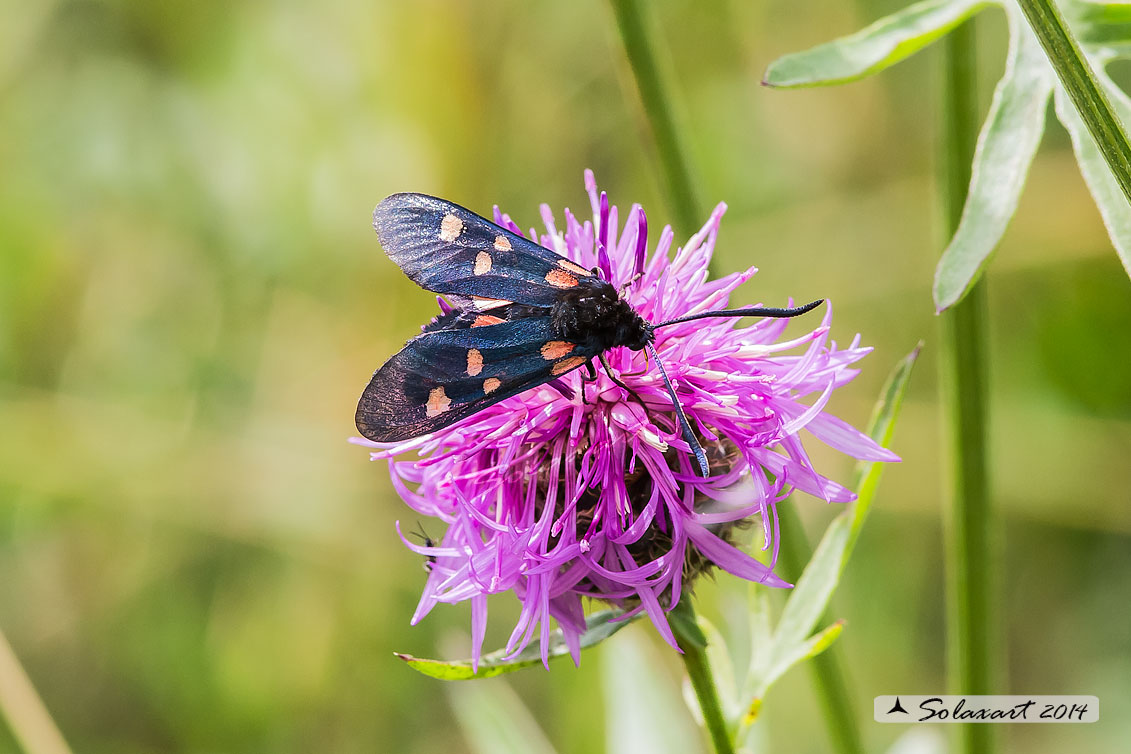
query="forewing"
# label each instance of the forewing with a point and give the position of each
(448, 249)
(443, 376)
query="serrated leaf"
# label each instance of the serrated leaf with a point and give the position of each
(495, 721)
(494, 663)
(1006, 147)
(1104, 31)
(1105, 191)
(872, 49)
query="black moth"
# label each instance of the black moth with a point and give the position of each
(523, 315)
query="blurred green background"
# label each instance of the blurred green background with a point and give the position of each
(192, 559)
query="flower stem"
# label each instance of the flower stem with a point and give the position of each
(827, 667)
(970, 572)
(694, 645)
(654, 93)
(1082, 87)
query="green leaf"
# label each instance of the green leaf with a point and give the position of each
(806, 650)
(815, 587)
(881, 427)
(772, 655)
(761, 679)
(884, 43)
(1006, 146)
(1105, 191)
(495, 721)
(598, 626)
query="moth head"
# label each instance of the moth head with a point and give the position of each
(639, 334)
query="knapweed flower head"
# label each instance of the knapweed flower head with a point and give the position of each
(578, 489)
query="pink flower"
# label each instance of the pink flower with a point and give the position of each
(556, 498)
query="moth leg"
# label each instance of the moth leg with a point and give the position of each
(609, 371)
(644, 370)
(589, 376)
(630, 281)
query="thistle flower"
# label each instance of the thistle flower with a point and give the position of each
(573, 489)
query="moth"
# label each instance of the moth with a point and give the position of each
(523, 315)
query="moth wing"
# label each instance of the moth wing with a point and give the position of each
(443, 376)
(445, 248)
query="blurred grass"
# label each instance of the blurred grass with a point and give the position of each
(191, 298)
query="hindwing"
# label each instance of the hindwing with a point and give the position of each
(442, 376)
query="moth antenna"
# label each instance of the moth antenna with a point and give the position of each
(688, 435)
(755, 311)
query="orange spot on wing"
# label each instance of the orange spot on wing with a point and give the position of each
(502, 243)
(482, 303)
(486, 319)
(474, 362)
(567, 364)
(556, 349)
(482, 263)
(450, 228)
(490, 385)
(560, 279)
(438, 402)
(572, 267)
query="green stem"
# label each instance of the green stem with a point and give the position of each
(970, 576)
(654, 93)
(1083, 89)
(827, 668)
(694, 645)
